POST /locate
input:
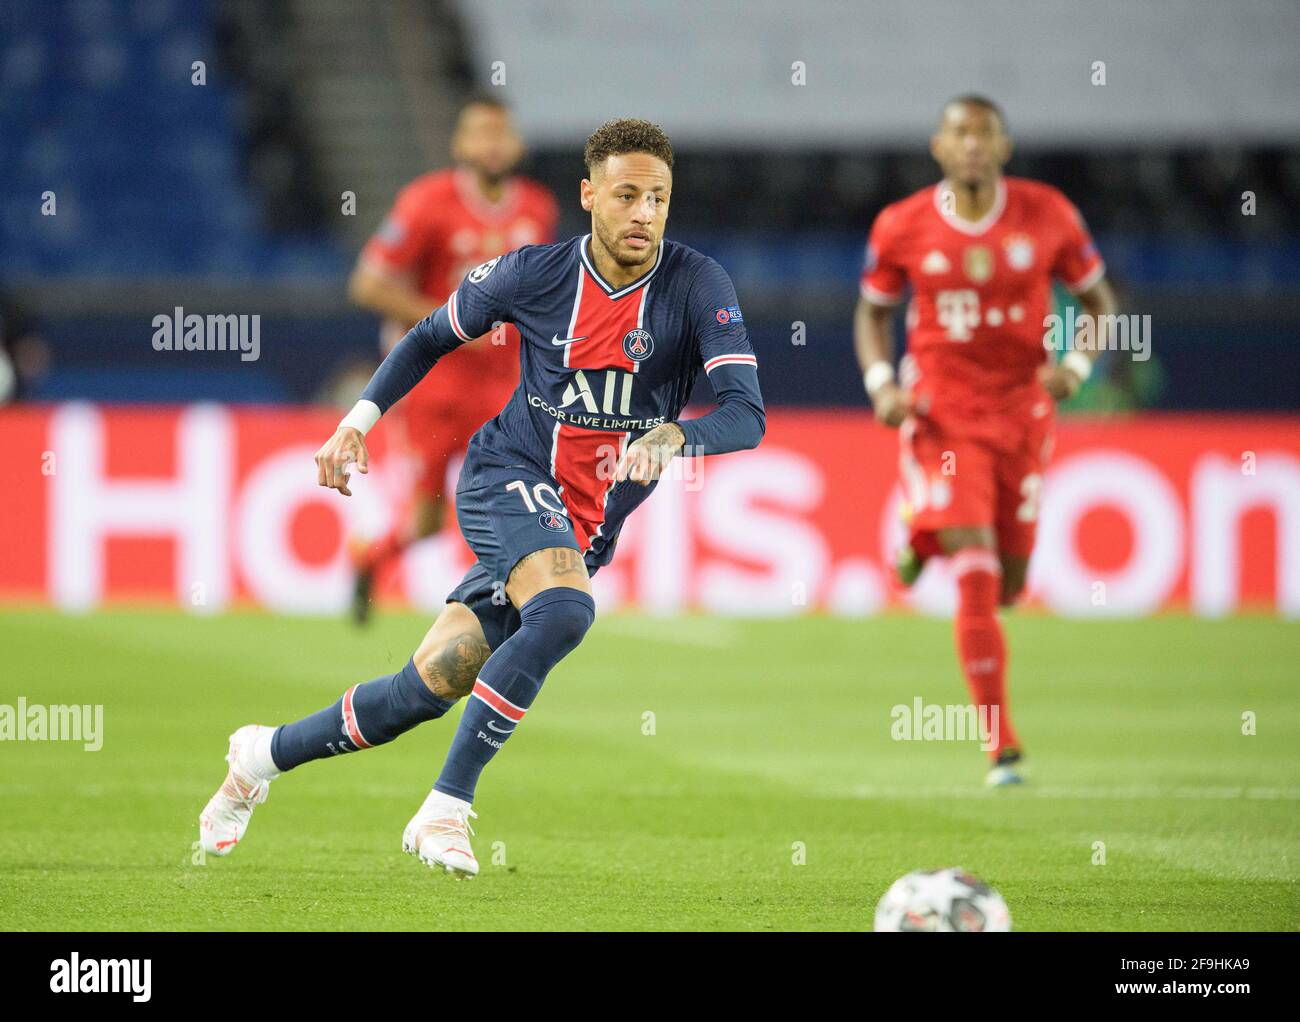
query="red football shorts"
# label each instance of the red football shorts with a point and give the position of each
(990, 474)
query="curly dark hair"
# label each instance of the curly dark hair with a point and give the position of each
(626, 135)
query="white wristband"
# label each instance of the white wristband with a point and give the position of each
(876, 376)
(363, 416)
(1078, 363)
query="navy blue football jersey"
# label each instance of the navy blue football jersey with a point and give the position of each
(601, 366)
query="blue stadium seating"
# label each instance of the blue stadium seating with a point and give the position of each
(98, 107)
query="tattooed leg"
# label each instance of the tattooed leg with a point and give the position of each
(452, 652)
(551, 567)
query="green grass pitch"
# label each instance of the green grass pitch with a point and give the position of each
(770, 794)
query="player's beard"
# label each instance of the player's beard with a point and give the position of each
(610, 240)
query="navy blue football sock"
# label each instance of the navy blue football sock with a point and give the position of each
(552, 624)
(370, 714)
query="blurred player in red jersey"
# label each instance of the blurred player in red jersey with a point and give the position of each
(443, 225)
(975, 398)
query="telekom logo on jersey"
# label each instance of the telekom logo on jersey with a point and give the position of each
(958, 313)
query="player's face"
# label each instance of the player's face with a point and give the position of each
(628, 201)
(970, 146)
(486, 141)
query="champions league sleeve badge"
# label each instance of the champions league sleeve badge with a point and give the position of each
(480, 272)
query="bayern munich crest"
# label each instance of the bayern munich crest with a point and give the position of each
(638, 344)
(1020, 251)
(553, 521)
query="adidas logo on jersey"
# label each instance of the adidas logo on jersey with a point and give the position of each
(935, 262)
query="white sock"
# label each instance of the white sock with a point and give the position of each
(436, 797)
(255, 756)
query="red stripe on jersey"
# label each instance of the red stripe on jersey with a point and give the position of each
(602, 323)
(584, 465)
(455, 319)
(723, 360)
(583, 459)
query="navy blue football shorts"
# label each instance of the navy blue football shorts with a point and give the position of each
(505, 514)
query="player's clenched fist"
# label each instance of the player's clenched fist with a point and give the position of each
(647, 457)
(346, 447)
(890, 404)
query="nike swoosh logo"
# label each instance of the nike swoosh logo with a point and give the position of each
(499, 730)
(557, 339)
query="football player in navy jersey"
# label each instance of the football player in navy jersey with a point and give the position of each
(615, 326)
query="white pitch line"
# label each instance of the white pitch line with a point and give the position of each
(1080, 793)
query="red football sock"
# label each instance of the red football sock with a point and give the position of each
(981, 647)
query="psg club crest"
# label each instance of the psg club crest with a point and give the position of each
(480, 272)
(1020, 251)
(638, 344)
(553, 522)
(978, 263)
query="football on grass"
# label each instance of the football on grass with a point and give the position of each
(942, 901)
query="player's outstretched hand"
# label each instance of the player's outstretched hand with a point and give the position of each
(891, 405)
(647, 457)
(1061, 383)
(346, 447)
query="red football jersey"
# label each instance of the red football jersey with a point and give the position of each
(439, 229)
(980, 291)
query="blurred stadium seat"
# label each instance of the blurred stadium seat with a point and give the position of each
(233, 189)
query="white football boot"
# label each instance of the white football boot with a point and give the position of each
(438, 835)
(1008, 770)
(225, 818)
